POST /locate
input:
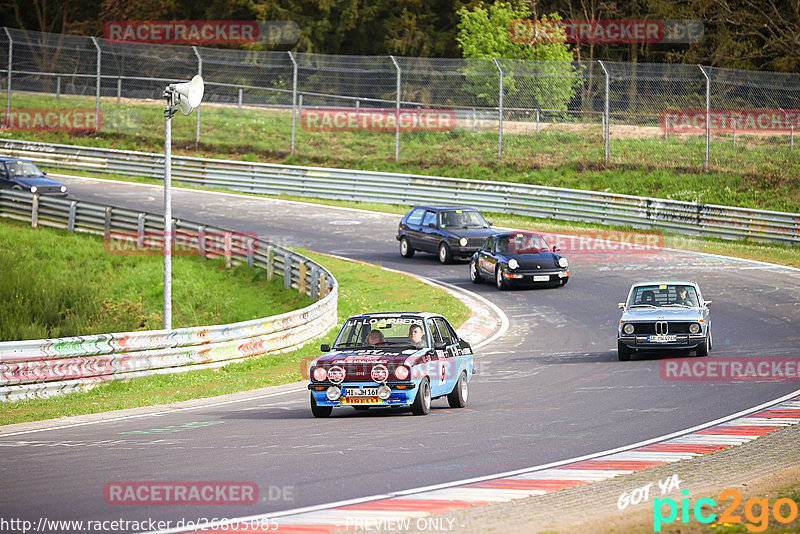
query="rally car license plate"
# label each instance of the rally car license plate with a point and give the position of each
(361, 392)
(541, 278)
(661, 339)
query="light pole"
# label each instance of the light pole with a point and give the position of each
(186, 96)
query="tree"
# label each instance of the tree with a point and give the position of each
(549, 81)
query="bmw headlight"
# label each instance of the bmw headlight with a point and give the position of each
(63, 188)
(628, 328)
(694, 328)
(34, 189)
(463, 241)
(513, 264)
(563, 263)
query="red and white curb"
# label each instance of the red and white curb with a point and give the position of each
(381, 512)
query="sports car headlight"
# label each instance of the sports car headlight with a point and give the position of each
(562, 262)
(336, 374)
(34, 189)
(694, 328)
(333, 393)
(380, 373)
(401, 372)
(463, 241)
(513, 264)
(628, 328)
(384, 392)
(319, 374)
(63, 188)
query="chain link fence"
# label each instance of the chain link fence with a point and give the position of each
(530, 114)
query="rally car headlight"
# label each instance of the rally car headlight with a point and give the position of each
(562, 262)
(384, 392)
(694, 328)
(34, 189)
(628, 328)
(513, 264)
(463, 241)
(333, 393)
(319, 374)
(380, 373)
(401, 372)
(336, 374)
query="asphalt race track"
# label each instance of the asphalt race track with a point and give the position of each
(550, 389)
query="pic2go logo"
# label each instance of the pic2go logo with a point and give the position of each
(756, 511)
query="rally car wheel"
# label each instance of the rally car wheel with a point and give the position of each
(458, 397)
(501, 283)
(405, 248)
(320, 411)
(422, 404)
(623, 352)
(474, 275)
(445, 256)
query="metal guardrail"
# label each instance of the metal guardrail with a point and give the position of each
(39, 368)
(394, 188)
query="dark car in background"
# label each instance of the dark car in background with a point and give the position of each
(24, 175)
(519, 257)
(451, 232)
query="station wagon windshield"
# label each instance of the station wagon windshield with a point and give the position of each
(663, 295)
(393, 331)
(462, 219)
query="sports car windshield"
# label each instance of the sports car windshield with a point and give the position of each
(461, 219)
(521, 243)
(22, 169)
(663, 295)
(383, 331)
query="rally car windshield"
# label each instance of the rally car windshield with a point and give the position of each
(383, 331)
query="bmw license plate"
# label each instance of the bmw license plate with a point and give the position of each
(361, 392)
(541, 278)
(662, 339)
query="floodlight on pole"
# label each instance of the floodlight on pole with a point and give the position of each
(186, 96)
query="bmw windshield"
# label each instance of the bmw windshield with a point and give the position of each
(663, 295)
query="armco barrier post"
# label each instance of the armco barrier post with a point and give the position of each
(301, 282)
(35, 211)
(287, 272)
(73, 206)
(270, 262)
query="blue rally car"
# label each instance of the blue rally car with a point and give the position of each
(24, 175)
(392, 360)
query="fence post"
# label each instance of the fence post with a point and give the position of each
(239, 112)
(10, 64)
(708, 115)
(537, 120)
(301, 283)
(119, 88)
(270, 262)
(791, 138)
(287, 271)
(201, 241)
(606, 112)
(500, 110)
(473, 121)
(58, 88)
(397, 112)
(107, 223)
(97, 89)
(140, 230)
(734, 133)
(294, 99)
(197, 124)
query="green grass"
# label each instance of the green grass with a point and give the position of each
(759, 172)
(57, 284)
(362, 288)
